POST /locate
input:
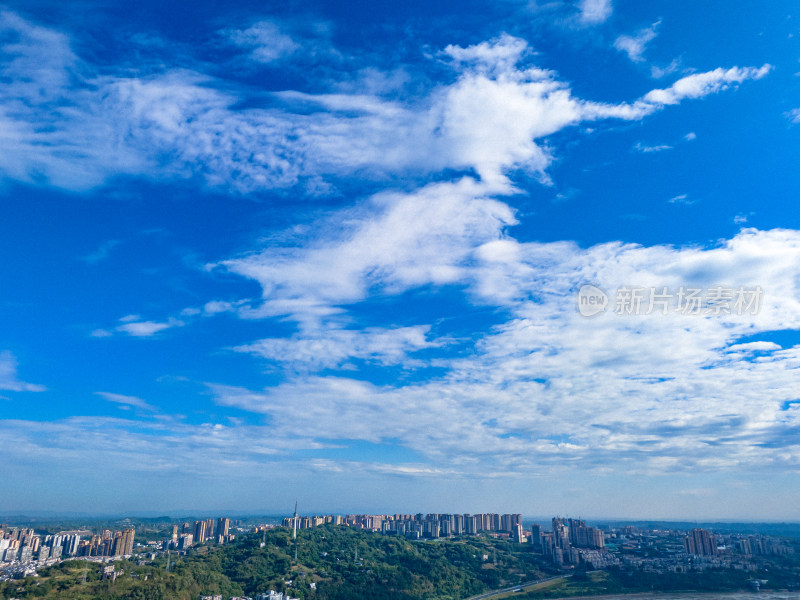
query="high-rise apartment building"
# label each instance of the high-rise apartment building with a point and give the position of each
(223, 525)
(536, 536)
(199, 532)
(700, 542)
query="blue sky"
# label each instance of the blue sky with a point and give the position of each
(333, 251)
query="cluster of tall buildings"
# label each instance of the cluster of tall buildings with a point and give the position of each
(24, 545)
(568, 536)
(18, 544)
(760, 545)
(700, 542)
(109, 543)
(198, 532)
(420, 525)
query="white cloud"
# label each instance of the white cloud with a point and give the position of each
(702, 84)
(139, 328)
(657, 72)
(359, 410)
(332, 347)
(646, 393)
(651, 379)
(136, 326)
(50, 132)
(102, 253)
(634, 45)
(794, 115)
(755, 347)
(80, 446)
(690, 136)
(681, 199)
(394, 242)
(265, 41)
(219, 306)
(9, 380)
(593, 12)
(38, 56)
(545, 388)
(498, 56)
(494, 118)
(648, 149)
(127, 400)
(492, 125)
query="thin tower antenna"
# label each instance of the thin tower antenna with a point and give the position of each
(167, 561)
(294, 532)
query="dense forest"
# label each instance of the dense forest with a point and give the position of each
(341, 562)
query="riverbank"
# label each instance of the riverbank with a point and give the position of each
(687, 595)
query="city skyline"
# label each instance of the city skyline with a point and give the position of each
(212, 551)
(538, 255)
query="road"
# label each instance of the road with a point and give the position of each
(519, 586)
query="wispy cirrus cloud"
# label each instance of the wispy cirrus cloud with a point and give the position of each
(156, 460)
(657, 72)
(147, 328)
(663, 392)
(703, 84)
(681, 199)
(9, 380)
(489, 120)
(102, 252)
(492, 118)
(135, 326)
(334, 348)
(142, 446)
(648, 149)
(593, 12)
(543, 386)
(265, 41)
(386, 244)
(127, 401)
(51, 130)
(635, 45)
